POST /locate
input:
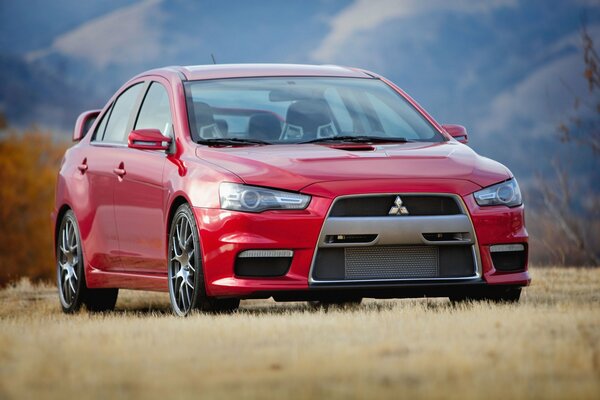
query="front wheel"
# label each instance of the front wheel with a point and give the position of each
(72, 289)
(185, 274)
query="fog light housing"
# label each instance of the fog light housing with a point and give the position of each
(509, 257)
(263, 263)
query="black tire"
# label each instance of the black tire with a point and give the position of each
(72, 288)
(330, 304)
(187, 289)
(497, 294)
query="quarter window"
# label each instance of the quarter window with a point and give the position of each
(99, 134)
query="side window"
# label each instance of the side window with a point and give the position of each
(155, 112)
(102, 125)
(119, 117)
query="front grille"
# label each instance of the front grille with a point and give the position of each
(379, 205)
(403, 262)
(427, 237)
(393, 262)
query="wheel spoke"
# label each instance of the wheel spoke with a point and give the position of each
(63, 242)
(182, 297)
(67, 234)
(73, 241)
(182, 234)
(175, 246)
(189, 296)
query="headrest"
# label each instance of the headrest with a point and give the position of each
(310, 115)
(205, 121)
(264, 126)
(204, 114)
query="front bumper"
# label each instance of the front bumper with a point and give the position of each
(225, 234)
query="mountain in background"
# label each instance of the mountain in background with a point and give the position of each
(509, 70)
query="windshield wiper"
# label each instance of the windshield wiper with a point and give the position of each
(358, 139)
(231, 141)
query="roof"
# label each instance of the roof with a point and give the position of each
(199, 72)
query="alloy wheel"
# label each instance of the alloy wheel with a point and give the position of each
(182, 265)
(68, 263)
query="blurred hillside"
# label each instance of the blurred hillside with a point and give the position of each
(512, 71)
(506, 69)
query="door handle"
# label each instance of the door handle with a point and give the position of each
(83, 167)
(120, 170)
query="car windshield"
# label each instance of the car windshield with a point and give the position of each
(290, 110)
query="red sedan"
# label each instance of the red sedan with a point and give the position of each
(317, 183)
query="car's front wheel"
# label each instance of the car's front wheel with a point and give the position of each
(72, 289)
(185, 274)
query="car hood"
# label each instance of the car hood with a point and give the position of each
(294, 167)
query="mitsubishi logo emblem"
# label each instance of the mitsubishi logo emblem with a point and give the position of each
(398, 208)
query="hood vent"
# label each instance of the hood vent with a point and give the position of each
(353, 147)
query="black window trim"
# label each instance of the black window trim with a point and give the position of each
(130, 121)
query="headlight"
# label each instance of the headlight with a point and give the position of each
(238, 197)
(502, 194)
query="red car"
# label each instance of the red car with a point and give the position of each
(318, 183)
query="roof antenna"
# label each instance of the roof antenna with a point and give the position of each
(213, 58)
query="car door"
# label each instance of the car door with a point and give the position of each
(97, 167)
(139, 193)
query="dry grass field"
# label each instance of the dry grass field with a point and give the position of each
(546, 347)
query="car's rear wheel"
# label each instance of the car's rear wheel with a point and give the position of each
(498, 294)
(185, 272)
(72, 289)
(341, 303)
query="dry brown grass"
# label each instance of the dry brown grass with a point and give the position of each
(546, 347)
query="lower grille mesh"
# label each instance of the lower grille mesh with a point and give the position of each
(397, 262)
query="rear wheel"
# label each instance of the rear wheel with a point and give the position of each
(497, 294)
(328, 304)
(185, 273)
(72, 289)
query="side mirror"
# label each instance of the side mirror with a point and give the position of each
(458, 132)
(84, 123)
(148, 139)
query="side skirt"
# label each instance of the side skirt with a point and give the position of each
(96, 278)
